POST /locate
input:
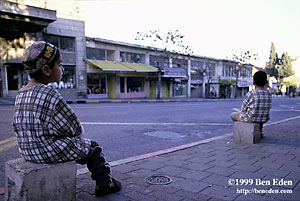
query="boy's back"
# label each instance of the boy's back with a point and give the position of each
(47, 129)
(256, 106)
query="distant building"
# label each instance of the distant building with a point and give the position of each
(99, 68)
(123, 70)
(58, 22)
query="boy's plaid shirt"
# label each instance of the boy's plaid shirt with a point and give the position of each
(256, 106)
(46, 127)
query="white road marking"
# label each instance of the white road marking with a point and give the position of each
(156, 124)
(236, 109)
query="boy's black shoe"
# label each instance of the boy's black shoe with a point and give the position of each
(113, 187)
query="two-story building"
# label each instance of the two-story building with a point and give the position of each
(122, 70)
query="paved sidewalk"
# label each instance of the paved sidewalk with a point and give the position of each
(216, 170)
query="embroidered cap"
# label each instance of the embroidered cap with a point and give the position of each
(37, 55)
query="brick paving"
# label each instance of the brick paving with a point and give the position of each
(202, 172)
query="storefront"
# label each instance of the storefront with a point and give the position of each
(175, 80)
(97, 85)
(132, 87)
(226, 88)
(118, 80)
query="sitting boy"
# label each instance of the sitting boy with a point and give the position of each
(257, 103)
(47, 129)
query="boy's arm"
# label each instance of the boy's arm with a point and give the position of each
(64, 121)
(245, 103)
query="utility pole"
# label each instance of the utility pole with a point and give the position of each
(158, 83)
(236, 79)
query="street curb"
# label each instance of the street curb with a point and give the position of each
(157, 153)
(143, 101)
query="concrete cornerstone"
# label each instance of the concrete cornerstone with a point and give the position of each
(31, 181)
(246, 133)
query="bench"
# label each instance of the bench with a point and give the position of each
(32, 181)
(246, 133)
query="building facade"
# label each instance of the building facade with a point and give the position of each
(99, 68)
(123, 70)
(59, 23)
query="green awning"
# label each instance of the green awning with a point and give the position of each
(142, 68)
(110, 66)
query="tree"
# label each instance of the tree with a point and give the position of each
(273, 61)
(169, 41)
(279, 67)
(243, 56)
(284, 68)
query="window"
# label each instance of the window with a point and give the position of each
(68, 80)
(228, 70)
(135, 84)
(96, 84)
(132, 57)
(99, 54)
(196, 74)
(179, 63)
(110, 55)
(69, 77)
(211, 69)
(197, 65)
(159, 61)
(65, 44)
(95, 54)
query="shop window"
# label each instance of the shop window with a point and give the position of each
(96, 84)
(68, 80)
(180, 89)
(69, 77)
(66, 44)
(135, 84)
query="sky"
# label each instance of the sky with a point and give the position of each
(212, 28)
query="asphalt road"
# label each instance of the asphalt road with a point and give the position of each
(125, 130)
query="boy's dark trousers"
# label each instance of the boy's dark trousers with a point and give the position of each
(98, 167)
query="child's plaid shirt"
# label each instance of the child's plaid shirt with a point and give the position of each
(47, 129)
(256, 106)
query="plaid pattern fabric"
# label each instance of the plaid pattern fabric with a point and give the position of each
(256, 106)
(47, 129)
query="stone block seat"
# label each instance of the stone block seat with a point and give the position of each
(246, 133)
(32, 181)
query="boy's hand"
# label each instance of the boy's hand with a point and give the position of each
(94, 144)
